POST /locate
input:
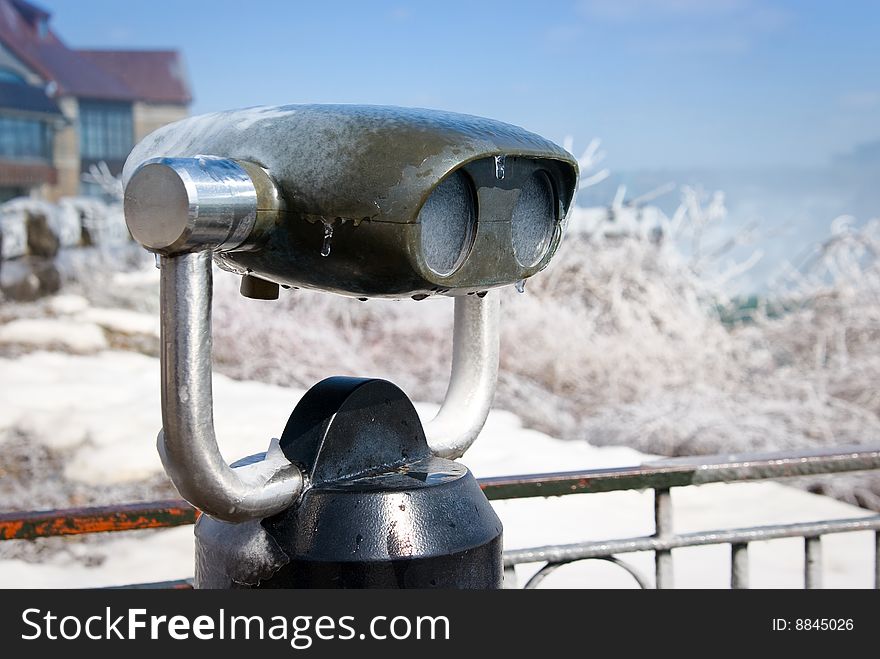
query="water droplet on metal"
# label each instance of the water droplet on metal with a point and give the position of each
(499, 167)
(158, 261)
(328, 237)
(521, 286)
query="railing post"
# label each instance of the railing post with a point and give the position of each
(739, 565)
(813, 562)
(510, 581)
(663, 530)
(877, 560)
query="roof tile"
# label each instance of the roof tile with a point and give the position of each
(155, 76)
(26, 98)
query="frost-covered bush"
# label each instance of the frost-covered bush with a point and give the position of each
(306, 336)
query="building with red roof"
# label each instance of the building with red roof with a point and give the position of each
(63, 110)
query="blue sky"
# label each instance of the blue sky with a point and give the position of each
(664, 83)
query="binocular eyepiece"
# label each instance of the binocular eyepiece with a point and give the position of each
(363, 201)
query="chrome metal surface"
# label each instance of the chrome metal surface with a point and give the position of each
(739, 565)
(580, 550)
(545, 571)
(187, 443)
(510, 582)
(175, 205)
(475, 345)
(776, 464)
(877, 560)
(812, 562)
(698, 470)
(663, 530)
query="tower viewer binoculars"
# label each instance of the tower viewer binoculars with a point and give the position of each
(363, 201)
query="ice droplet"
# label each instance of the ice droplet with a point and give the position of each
(521, 286)
(499, 167)
(328, 237)
(158, 261)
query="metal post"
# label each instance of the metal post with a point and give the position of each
(510, 578)
(662, 530)
(813, 562)
(739, 565)
(877, 560)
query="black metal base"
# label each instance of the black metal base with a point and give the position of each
(380, 511)
(469, 569)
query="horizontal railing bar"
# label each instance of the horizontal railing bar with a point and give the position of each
(75, 521)
(675, 472)
(177, 584)
(603, 549)
(779, 464)
(596, 549)
(584, 482)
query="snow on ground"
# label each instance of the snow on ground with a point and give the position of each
(71, 323)
(68, 334)
(122, 321)
(104, 409)
(66, 304)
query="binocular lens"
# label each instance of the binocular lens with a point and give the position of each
(534, 220)
(448, 221)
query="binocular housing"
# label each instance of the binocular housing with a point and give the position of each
(365, 201)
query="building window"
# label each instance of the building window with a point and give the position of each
(11, 192)
(25, 139)
(8, 75)
(106, 130)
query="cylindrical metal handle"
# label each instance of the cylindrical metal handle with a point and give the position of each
(176, 205)
(475, 353)
(187, 443)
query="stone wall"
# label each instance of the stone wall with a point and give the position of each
(65, 156)
(38, 238)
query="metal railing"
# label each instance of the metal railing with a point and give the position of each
(659, 476)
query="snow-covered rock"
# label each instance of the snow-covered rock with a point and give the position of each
(65, 305)
(122, 321)
(46, 332)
